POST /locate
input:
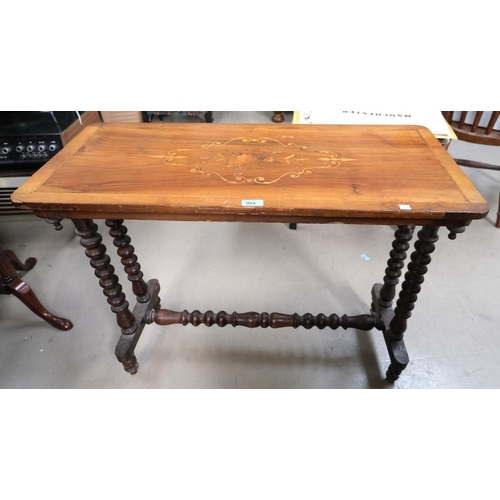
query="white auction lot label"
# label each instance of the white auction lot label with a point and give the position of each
(252, 203)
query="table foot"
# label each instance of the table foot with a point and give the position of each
(131, 365)
(143, 313)
(396, 348)
(393, 373)
(399, 357)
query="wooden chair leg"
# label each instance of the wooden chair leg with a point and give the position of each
(11, 284)
(9, 257)
(26, 295)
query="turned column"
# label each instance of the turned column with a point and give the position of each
(414, 277)
(91, 240)
(395, 264)
(128, 258)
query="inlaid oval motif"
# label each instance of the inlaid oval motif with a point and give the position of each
(252, 160)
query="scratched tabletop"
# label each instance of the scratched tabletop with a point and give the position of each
(254, 172)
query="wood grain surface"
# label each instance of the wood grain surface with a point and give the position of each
(292, 173)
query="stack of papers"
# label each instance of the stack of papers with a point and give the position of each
(433, 120)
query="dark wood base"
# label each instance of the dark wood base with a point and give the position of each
(143, 311)
(382, 316)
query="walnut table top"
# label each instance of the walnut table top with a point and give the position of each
(254, 172)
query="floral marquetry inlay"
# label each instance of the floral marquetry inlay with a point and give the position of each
(259, 161)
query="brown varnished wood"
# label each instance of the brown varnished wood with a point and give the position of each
(255, 216)
(10, 283)
(485, 135)
(91, 240)
(265, 320)
(193, 172)
(87, 117)
(491, 123)
(477, 119)
(395, 264)
(463, 116)
(474, 133)
(126, 251)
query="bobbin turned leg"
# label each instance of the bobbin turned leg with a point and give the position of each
(128, 258)
(383, 295)
(395, 264)
(414, 277)
(91, 240)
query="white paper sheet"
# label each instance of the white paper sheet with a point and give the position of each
(433, 120)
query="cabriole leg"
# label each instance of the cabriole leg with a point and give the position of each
(10, 283)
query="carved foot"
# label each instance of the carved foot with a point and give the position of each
(399, 357)
(25, 294)
(130, 365)
(392, 373)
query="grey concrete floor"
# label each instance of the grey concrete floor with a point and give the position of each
(453, 337)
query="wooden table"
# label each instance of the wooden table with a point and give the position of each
(389, 175)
